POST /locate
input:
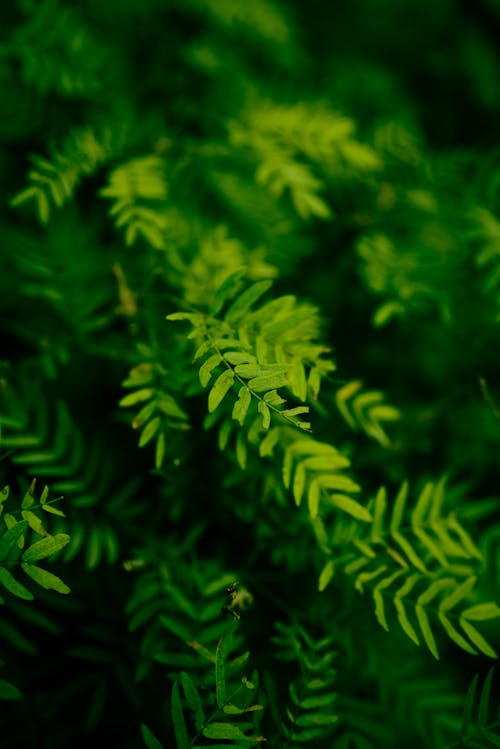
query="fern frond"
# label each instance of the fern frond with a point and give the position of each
(159, 412)
(282, 138)
(262, 349)
(62, 272)
(179, 608)
(481, 721)
(227, 713)
(413, 274)
(365, 410)
(427, 558)
(25, 542)
(58, 52)
(7, 690)
(423, 704)
(322, 135)
(281, 244)
(139, 190)
(392, 273)
(489, 545)
(218, 255)
(242, 342)
(484, 232)
(50, 445)
(262, 21)
(279, 172)
(313, 471)
(397, 144)
(54, 180)
(312, 715)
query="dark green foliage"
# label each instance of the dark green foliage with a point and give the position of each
(261, 240)
(312, 712)
(481, 723)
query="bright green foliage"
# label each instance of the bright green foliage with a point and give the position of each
(249, 310)
(313, 469)
(25, 541)
(262, 350)
(280, 136)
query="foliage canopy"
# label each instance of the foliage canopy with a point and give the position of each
(249, 391)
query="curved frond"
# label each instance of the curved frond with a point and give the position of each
(422, 562)
(365, 410)
(54, 180)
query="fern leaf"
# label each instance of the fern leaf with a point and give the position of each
(160, 415)
(222, 386)
(326, 575)
(132, 186)
(81, 153)
(194, 700)
(181, 734)
(10, 583)
(45, 547)
(11, 537)
(9, 691)
(242, 405)
(315, 468)
(312, 715)
(245, 301)
(220, 675)
(480, 728)
(45, 579)
(228, 731)
(149, 738)
(422, 601)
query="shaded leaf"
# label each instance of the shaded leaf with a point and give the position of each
(13, 586)
(178, 719)
(220, 676)
(9, 691)
(227, 731)
(11, 537)
(149, 739)
(193, 699)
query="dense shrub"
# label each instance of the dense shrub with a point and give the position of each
(249, 392)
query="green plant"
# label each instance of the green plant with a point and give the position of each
(249, 310)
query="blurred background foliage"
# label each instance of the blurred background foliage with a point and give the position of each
(148, 149)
